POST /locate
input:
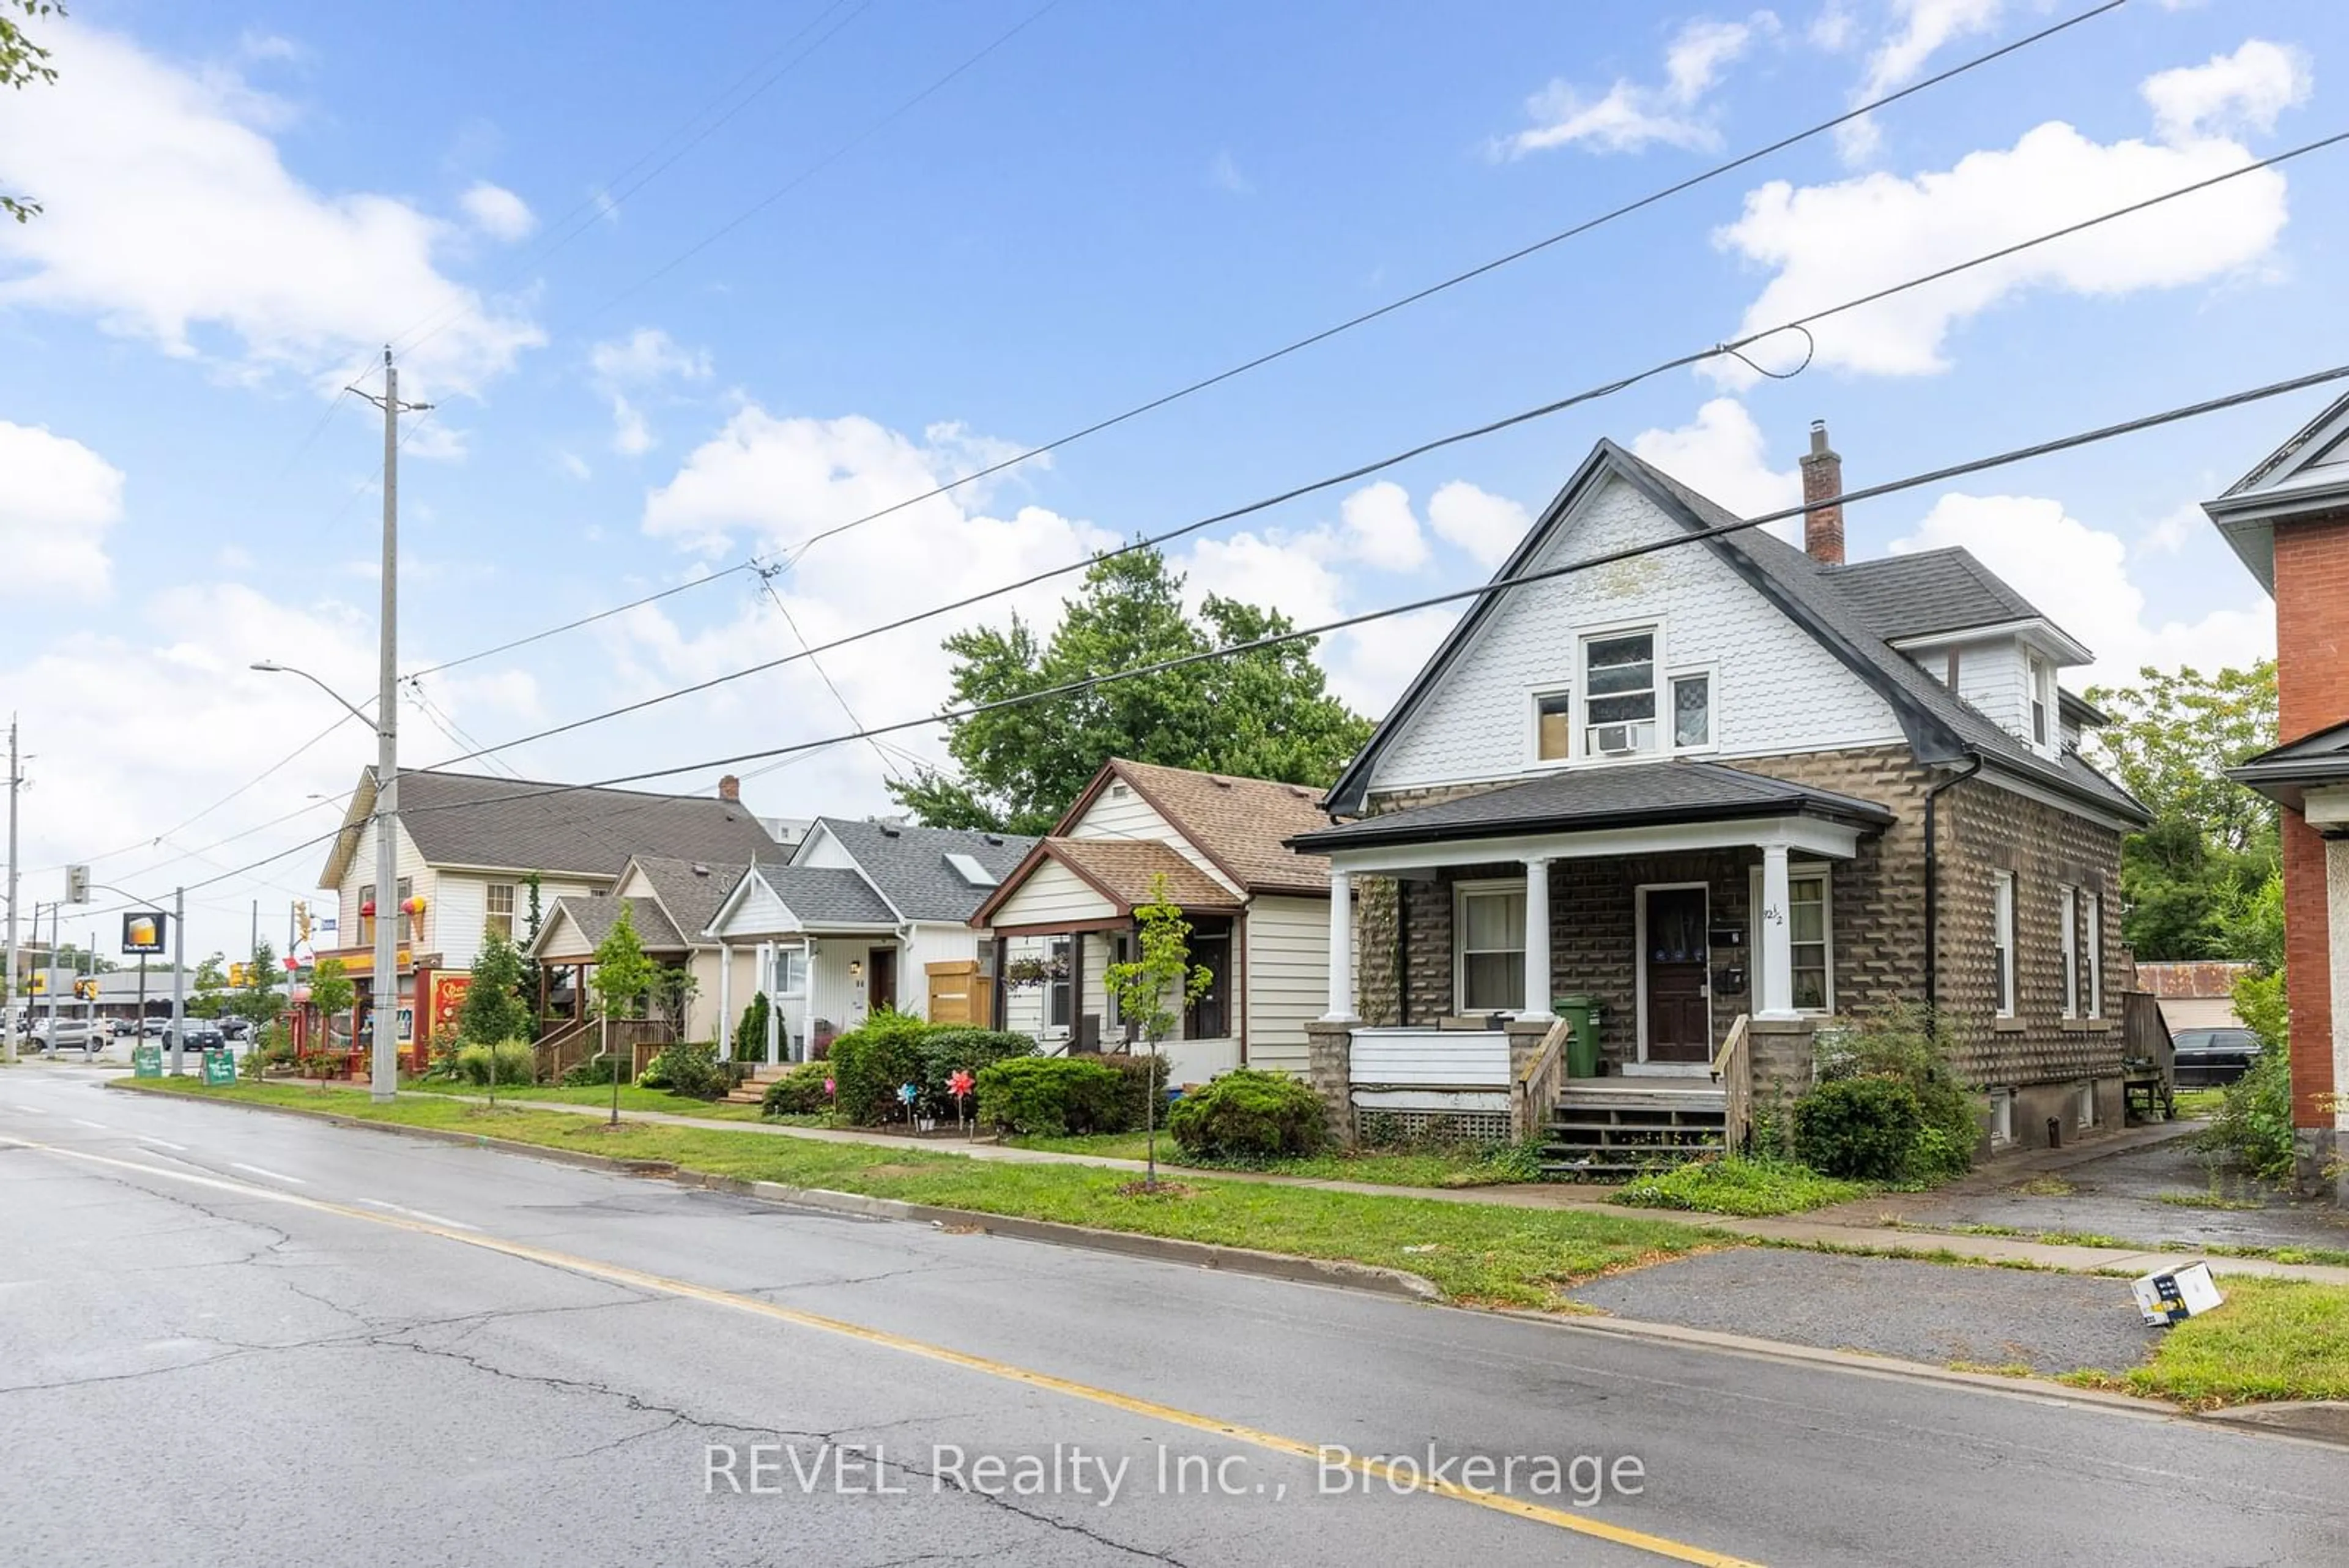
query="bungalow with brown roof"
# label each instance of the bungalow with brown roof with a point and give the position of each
(1259, 916)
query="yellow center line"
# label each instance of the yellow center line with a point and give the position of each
(1400, 1478)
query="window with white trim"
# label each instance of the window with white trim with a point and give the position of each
(1692, 710)
(1810, 924)
(1488, 939)
(2039, 703)
(2003, 939)
(1057, 984)
(791, 972)
(499, 901)
(1619, 685)
(2096, 923)
(2067, 909)
(1553, 726)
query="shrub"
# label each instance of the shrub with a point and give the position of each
(2254, 1120)
(870, 1062)
(473, 1064)
(750, 1034)
(693, 1070)
(508, 1062)
(594, 1070)
(798, 1092)
(1139, 1076)
(1859, 1128)
(952, 1047)
(1249, 1115)
(1912, 1047)
(1051, 1096)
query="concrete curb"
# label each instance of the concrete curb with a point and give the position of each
(1282, 1266)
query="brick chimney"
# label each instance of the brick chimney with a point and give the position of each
(1822, 478)
(729, 788)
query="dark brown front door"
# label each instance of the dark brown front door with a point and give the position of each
(1680, 1014)
(881, 982)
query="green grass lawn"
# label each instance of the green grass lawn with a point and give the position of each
(632, 1099)
(1479, 1253)
(2271, 1339)
(2194, 1104)
(1466, 1165)
(1752, 1189)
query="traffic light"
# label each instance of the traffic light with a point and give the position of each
(86, 989)
(301, 919)
(77, 883)
(236, 977)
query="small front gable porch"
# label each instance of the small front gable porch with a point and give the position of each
(1689, 904)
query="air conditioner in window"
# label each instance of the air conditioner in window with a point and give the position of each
(1613, 740)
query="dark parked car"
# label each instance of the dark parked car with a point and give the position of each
(2208, 1056)
(204, 1035)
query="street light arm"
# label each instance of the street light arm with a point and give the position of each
(271, 667)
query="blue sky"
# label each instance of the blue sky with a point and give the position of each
(244, 201)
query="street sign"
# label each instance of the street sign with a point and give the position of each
(219, 1068)
(143, 934)
(146, 1061)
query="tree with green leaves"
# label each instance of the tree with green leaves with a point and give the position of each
(23, 62)
(623, 976)
(209, 985)
(1266, 713)
(1148, 990)
(493, 1011)
(258, 1000)
(2193, 882)
(331, 993)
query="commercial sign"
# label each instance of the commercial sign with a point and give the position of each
(143, 934)
(146, 1061)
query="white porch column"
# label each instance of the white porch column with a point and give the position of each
(1538, 976)
(774, 1004)
(1776, 996)
(1341, 947)
(725, 1003)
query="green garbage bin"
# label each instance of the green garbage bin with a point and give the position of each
(1581, 1046)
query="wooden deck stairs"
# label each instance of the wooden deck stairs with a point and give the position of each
(1610, 1129)
(751, 1090)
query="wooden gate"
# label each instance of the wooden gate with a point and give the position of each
(960, 993)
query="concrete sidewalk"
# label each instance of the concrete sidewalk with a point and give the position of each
(1816, 1230)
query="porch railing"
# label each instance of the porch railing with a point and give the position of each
(1732, 1069)
(1537, 1084)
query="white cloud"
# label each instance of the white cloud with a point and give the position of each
(1224, 175)
(2078, 576)
(2227, 93)
(644, 361)
(1629, 116)
(57, 499)
(2171, 530)
(169, 214)
(1919, 30)
(1380, 529)
(1828, 243)
(1720, 455)
(1486, 527)
(498, 212)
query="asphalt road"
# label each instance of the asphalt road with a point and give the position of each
(236, 1338)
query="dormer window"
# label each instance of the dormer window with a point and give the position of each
(2043, 699)
(1618, 680)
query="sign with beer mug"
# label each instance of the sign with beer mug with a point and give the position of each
(143, 934)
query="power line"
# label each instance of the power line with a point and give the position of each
(574, 625)
(799, 749)
(1501, 585)
(607, 198)
(767, 581)
(1540, 411)
(1520, 253)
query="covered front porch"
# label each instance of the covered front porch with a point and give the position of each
(1687, 910)
(564, 955)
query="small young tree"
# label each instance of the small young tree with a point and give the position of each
(257, 1000)
(1144, 988)
(331, 991)
(210, 986)
(623, 975)
(493, 1011)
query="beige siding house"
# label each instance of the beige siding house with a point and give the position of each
(1258, 912)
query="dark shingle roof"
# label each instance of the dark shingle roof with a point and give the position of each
(1639, 793)
(593, 917)
(908, 864)
(467, 819)
(1929, 593)
(691, 890)
(827, 894)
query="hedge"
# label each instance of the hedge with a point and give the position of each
(1051, 1096)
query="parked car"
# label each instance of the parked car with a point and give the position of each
(153, 1028)
(70, 1034)
(202, 1034)
(237, 1028)
(118, 1027)
(2209, 1056)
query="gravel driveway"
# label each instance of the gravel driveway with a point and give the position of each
(1932, 1312)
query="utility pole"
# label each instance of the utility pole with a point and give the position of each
(8, 983)
(179, 977)
(384, 983)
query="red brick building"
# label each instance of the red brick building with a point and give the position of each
(2289, 521)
